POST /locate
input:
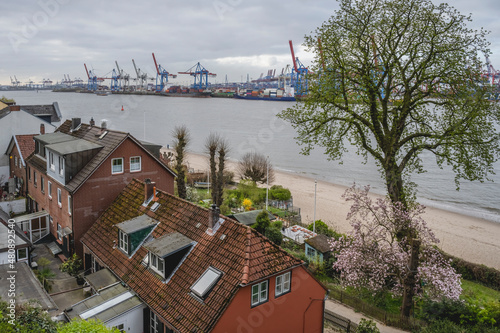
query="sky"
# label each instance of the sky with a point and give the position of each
(45, 39)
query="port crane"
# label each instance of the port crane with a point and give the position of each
(141, 77)
(200, 75)
(92, 79)
(161, 76)
(299, 74)
(123, 77)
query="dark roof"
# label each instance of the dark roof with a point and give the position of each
(51, 110)
(320, 243)
(92, 134)
(250, 217)
(242, 255)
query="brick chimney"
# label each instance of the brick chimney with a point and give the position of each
(42, 129)
(149, 189)
(15, 107)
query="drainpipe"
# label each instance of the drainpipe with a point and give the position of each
(322, 315)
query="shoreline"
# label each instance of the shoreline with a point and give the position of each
(471, 238)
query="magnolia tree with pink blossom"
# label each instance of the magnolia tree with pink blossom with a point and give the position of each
(374, 256)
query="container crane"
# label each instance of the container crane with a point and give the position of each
(92, 79)
(141, 77)
(115, 80)
(299, 75)
(123, 76)
(161, 76)
(200, 75)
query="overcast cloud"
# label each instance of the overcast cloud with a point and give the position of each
(49, 38)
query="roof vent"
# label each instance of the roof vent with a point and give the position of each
(155, 206)
(222, 237)
(75, 124)
(198, 225)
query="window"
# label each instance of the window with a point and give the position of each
(42, 184)
(123, 241)
(135, 164)
(34, 178)
(70, 202)
(49, 192)
(22, 254)
(120, 327)
(311, 253)
(61, 165)
(154, 323)
(157, 262)
(117, 165)
(51, 161)
(259, 293)
(15, 161)
(59, 202)
(282, 284)
(59, 232)
(206, 282)
(29, 173)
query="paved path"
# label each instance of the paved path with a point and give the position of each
(354, 316)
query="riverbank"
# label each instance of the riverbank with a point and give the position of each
(472, 239)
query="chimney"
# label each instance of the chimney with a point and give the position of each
(15, 107)
(75, 123)
(104, 125)
(149, 189)
(42, 129)
(92, 122)
(213, 217)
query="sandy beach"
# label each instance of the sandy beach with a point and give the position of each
(473, 239)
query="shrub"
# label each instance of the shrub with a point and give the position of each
(247, 203)
(278, 192)
(72, 265)
(367, 326)
(262, 222)
(274, 235)
(322, 228)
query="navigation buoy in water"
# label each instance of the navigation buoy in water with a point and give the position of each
(122, 107)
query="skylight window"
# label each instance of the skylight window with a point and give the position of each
(206, 282)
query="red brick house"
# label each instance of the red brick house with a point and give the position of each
(20, 147)
(198, 271)
(77, 171)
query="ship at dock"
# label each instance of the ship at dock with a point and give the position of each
(268, 94)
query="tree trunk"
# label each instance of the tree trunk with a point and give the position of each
(411, 279)
(220, 177)
(213, 175)
(181, 183)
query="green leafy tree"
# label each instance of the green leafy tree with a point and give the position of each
(396, 79)
(278, 192)
(181, 141)
(88, 326)
(72, 266)
(44, 273)
(30, 317)
(367, 326)
(262, 222)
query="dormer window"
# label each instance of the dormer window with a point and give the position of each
(61, 165)
(132, 233)
(165, 254)
(123, 241)
(51, 161)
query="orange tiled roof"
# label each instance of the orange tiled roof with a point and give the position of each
(26, 144)
(243, 255)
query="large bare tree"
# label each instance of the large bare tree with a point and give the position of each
(256, 167)
(217, 149)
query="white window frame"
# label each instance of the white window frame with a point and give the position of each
(59, 197)
(154, 327)
(123, 241)
(59, 232)
(61, 165)
(283, 283)
(15, 160)
(120, 327)
(42, 184)
(70, 201)
(34, 178)
(49, 189)
(260, 293)
(135, 164)
(51, 161)
(19, 257)
(157, 263)
(113, 172)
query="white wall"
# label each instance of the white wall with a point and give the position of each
(4, 258)
(16, 206)
(17, 123)
(132, 320)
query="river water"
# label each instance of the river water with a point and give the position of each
(253, 126)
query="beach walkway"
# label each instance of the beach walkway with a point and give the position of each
(349, 313)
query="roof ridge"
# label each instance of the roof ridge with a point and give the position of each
(246, 265)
